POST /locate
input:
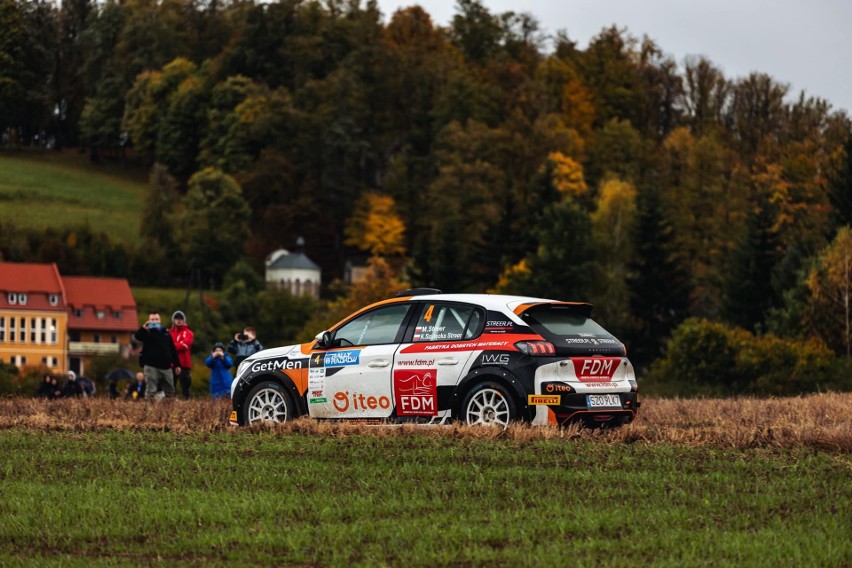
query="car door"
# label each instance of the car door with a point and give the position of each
(434, 355)
(353, 379)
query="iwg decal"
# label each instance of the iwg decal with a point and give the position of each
(494, 359)
(595, 369)
(416, 392)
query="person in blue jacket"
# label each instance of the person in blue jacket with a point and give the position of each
(220, 377)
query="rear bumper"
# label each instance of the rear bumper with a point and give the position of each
(574, 408)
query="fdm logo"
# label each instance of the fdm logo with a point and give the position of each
(416, 392)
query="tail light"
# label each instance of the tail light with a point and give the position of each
(536, 348)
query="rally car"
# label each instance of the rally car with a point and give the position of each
(428, 357)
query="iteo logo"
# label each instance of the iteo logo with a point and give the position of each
(595, 369)
(345, 400)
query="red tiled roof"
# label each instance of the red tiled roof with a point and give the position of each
(107, 297)
(37, 281)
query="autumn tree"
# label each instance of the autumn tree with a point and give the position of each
(612, 227)
(830, 284)
(376, 227)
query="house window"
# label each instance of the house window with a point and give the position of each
(96, 338)
(12, 298)
(22, 299)
(100, 314)
(114, 339)
(53, 299)
(43, 330)
(116, 315)
(53, 338)
(2, 329)
(12, 329)
(23, 330)
(33, 336)
(78, 312)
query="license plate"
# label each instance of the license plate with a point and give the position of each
(603, 400)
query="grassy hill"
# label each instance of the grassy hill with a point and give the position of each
(58, 189)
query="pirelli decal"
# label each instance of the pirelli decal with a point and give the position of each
(543, 399)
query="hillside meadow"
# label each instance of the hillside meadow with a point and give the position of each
(734, 482)
(62, 189)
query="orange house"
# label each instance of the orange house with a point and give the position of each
(62, 322)
(101, 318)
(33, 316)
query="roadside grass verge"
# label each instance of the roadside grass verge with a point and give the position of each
(100, 482)
(52, 190)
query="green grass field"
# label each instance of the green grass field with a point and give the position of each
(253, 497)
(40, 190)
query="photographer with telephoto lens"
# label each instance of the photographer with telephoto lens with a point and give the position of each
(244, 345)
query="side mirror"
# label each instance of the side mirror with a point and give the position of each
(323, 339)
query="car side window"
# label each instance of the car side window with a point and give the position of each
(446, 322)
(376, 327)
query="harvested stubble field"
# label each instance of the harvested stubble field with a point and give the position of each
(822, 421)
(734, 482)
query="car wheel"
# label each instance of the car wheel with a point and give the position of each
(267, 403)
(488, 404)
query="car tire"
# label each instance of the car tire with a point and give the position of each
(488, 404)
(268, 403)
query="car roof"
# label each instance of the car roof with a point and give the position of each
(498, 302)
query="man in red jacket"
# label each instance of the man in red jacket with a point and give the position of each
(182, 337)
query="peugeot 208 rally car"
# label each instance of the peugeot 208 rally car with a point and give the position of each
(430, 357)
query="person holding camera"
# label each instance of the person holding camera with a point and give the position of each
(183, 337)
(159, 355)
(220, 377)
(244, 345)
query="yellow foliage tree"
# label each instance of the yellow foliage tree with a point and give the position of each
(567, 176)
(376, 227)
(830, 284)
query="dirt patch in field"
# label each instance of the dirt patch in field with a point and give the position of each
(820, 421)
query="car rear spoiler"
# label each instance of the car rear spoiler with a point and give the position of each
(580, 308)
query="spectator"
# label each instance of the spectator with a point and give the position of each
(220, 377)
(159, 355)
(48, 388)
(244, 345)
(136, 390)
(71, 386)
(88, 385)
(182, 337)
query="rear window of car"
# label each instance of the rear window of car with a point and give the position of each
(565, 322)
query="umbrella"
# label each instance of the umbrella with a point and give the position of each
(119, 374)
(88, 385)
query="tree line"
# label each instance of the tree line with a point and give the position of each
(481, 156)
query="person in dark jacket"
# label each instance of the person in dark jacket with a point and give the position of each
(48, 388)
(244, 345)
(220, 377)
(72, 387)
(136, 389)
(159, 355)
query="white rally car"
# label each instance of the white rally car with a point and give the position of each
(429, 357)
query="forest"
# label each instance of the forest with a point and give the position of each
(701, 214)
